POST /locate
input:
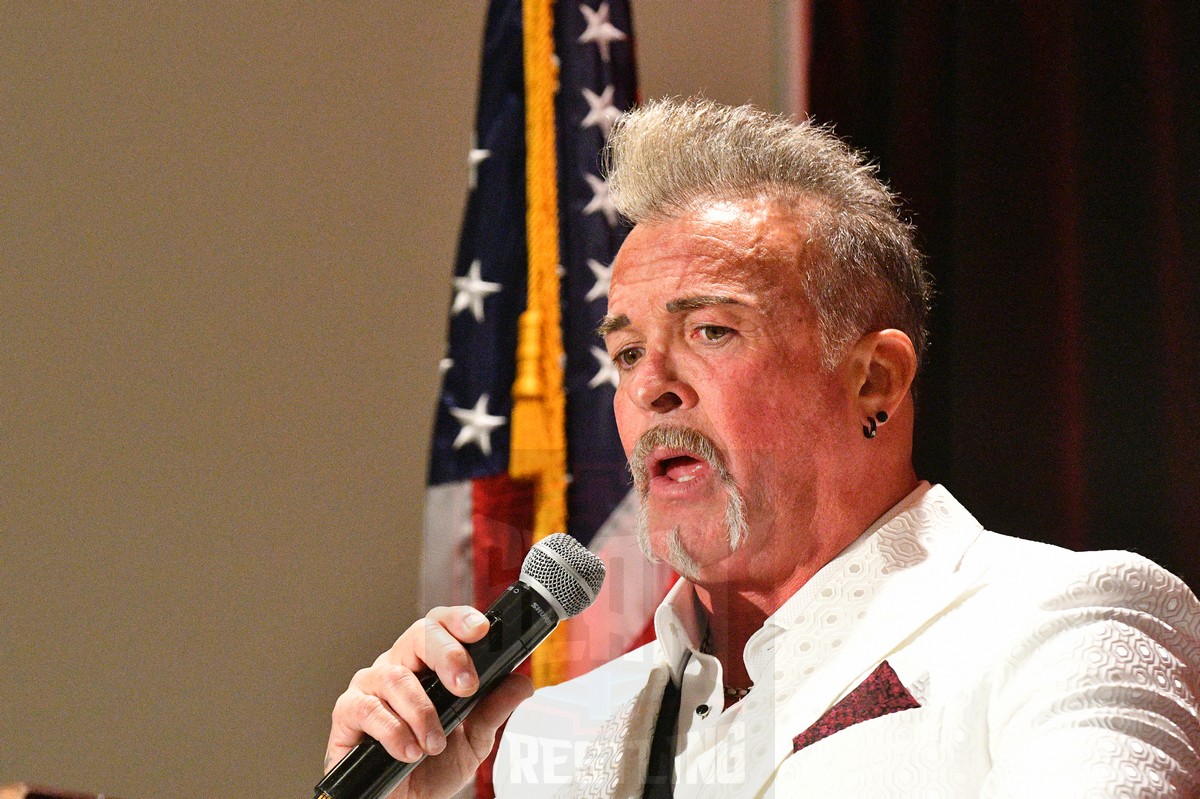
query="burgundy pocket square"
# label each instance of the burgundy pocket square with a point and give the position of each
(878, 695)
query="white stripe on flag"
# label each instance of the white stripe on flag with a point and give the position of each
(447, 565)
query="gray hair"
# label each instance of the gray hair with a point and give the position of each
(670, 158)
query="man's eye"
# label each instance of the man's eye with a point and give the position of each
(627, 357)
(714, 332)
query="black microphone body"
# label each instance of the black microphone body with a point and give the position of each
(521, 618)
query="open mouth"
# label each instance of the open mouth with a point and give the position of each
(675, 462)
(675, 467)
(678, 469)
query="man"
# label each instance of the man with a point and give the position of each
(841, 628)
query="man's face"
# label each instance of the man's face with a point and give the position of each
(712, 336)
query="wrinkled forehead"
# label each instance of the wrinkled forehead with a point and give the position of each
(757, 246)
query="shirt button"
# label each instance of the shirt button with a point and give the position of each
(702, 711)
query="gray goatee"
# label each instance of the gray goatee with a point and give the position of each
(695, 443)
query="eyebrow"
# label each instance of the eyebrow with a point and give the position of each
(611, 324)
(696, 303)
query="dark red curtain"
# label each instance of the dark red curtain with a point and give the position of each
(1048, 154)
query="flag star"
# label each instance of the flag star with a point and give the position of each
(601, 200)
(475, 157)
(606, 371)
(603, 280)
(601, 111)
(600, 30)
(471, 291)
(477, 425)
(445, 365)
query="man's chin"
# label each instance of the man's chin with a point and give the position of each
(676, 555)
(670, 547)
(679, 558)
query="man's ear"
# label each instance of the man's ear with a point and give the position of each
(882, 366)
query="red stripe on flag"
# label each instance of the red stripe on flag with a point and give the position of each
(502, 516)
(645, 636)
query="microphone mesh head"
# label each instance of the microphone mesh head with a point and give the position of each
(567, 570)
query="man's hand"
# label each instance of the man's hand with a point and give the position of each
(387, 702)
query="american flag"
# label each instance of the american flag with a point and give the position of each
(478, 519)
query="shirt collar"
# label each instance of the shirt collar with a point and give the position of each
(785, 616)
(678, 625)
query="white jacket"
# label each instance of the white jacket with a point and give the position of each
(1024, 670)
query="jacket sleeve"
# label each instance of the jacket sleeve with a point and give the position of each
(1100, 699)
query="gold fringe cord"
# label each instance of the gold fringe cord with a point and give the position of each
(539, 447)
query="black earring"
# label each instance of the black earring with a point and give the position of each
(873, 422)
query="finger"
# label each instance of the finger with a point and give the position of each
(430, 645)
(493, 710)
(406, 699)
(357, 714)
(462, 621)
(471, 742)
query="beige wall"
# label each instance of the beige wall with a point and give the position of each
(226, 235)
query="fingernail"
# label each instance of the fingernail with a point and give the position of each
(434, 742)
(475, 619)
(412, 752)
(463, 680)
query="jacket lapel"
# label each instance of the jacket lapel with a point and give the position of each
(614, 764)
(866, 604)
(908, 572)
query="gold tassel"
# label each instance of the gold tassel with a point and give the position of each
(539, 447)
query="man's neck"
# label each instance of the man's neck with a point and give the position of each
(732, 619)
(735, 611)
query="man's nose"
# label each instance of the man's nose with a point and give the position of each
(659, 387)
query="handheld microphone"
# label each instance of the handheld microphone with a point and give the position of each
(559, 579)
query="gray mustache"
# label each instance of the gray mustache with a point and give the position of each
(683, 438)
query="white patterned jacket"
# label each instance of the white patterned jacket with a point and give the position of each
(931, 658)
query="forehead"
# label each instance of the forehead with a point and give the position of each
(751, 247)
